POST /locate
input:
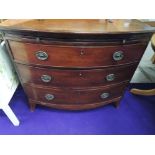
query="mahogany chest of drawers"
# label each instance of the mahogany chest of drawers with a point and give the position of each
(75, 64)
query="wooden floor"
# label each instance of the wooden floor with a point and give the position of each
(145, 72)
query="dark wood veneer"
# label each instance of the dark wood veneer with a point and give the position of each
(74, 96)
(76, 57)
(80, 56)
(75, 78)
(114, 101)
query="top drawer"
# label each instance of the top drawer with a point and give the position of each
(72, 56)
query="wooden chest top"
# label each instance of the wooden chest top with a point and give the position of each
(78, 29)
(99, 26)
(75, 64)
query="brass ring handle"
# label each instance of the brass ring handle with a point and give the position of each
(118, 55)
(46, 78)
(110, 77)
(104, 95)
(49, 97)
(41, 55)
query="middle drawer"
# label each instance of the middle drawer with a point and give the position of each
(75, 78)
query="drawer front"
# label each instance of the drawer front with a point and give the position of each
(72, 96)
(58, 56)
(75, 78)
(75, 106)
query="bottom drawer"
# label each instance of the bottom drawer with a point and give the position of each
(63, 96)
(74, 106)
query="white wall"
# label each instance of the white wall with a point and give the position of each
(145, 72)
